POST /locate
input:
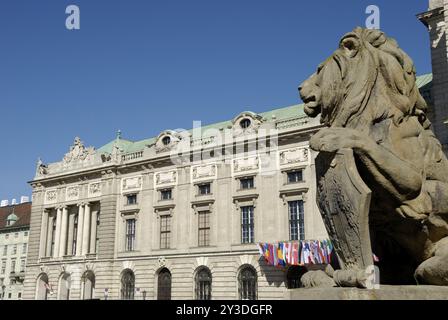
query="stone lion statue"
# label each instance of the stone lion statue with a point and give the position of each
(367, 97)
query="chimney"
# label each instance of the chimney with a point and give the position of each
(14, 202)
(24, 199)
(4, 203)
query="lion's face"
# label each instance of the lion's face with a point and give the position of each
(324, 90)
(313, 91)
(367, 79)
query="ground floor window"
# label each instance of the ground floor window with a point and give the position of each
(127, 285)
(247, 283)
(203, 282)
(164, 285)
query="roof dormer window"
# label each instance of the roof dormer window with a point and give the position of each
(245, 123)
(166, 140)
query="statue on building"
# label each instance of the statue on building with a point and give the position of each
(382, 176)
(41, 168)
(78, 152)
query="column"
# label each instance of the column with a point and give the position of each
(71, 230)
(58, 233)
(85, 231)
(43, 234)
(80, 227)
(49, 236)
(93, 232)
(64, 225)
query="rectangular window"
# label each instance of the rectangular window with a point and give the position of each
(3, 267)
(131, 199)
(204, 189)
(247, 183)
(165, 232)
(75, 234)
(26, 233)
(5, 250)
(22, 265)
(204, 228)
(296, 220)
(130, 235)
(13, 265)
(166, 194)
(16, 235)
(53, 236)
(247, 224)
(295, 176)
(14, 249)
(24, 248)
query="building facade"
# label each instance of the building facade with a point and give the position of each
(436, 20)
(14, 235)
(177, 216)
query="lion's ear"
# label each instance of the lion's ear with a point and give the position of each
(350, 45)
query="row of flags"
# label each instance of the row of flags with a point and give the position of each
(299, 253)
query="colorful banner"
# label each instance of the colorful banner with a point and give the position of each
(298, 253)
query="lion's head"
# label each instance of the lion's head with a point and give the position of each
(366, 80)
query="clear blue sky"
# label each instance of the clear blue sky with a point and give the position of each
(145, 66)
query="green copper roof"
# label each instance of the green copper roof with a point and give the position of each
(423, 80)
(280, 114)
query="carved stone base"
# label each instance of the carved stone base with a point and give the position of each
(384, 293)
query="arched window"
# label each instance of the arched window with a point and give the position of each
(247, 283)
(164, 285)
(88, 285)
(203, 283)
(127, 285)
(42, 287)
(293, 277)
(64, 286)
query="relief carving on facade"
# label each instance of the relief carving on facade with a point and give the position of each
(165, 178)
(296, 156)
(51, 196)
(73, 193)
(132, 184)
(203, 172)
(95, 189)
(246, 165)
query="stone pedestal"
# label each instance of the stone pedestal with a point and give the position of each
(384, 293)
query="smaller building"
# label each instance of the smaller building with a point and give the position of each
(14, 231)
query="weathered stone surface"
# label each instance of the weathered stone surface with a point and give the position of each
(380, 140)
(384, 293)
